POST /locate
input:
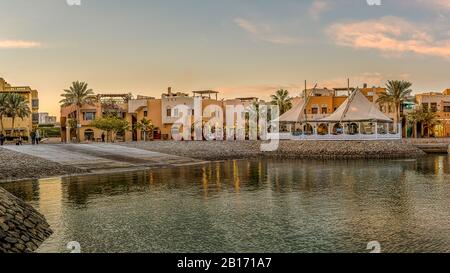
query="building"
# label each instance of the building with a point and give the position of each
(46, 119)
(439, 103)
(22, 126)
(99, 106)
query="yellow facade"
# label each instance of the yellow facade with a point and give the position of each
(439, 103)
(22, 126)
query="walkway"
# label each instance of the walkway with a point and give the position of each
(102, 157)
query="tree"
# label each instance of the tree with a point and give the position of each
(425, 117)
(144, 125)
(282, 100)
(77, 95)
(16, 107)
(396, 93)
(112, 125)
(3, 107)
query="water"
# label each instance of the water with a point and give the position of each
(252, 206)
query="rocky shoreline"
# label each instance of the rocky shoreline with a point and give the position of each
(17, 166)
(228, 150)
(22, 228)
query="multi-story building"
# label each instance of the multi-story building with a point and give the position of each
(100, 104)
(25, 126)
(439, 103)
(46, 119)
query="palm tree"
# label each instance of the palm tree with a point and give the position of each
(426, 118)
(3, 107)
(396, 93)
(282, 100)
(16, 107)
(77, 95)
(144, 125)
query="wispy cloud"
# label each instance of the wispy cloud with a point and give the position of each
(18, 44)
(318, 7)
(266, 32)
(391, 35)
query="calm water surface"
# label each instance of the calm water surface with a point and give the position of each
(252, 206)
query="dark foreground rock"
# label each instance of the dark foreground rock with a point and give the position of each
(22, 228)
(223, 150)
(16, 166)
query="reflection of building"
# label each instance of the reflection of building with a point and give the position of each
(439, 103)
(46, 119)
(27, 124)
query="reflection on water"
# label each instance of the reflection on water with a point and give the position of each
(252, 206)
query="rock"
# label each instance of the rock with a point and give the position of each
(22, 228)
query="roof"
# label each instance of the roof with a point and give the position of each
(357, 108)
(295, 114)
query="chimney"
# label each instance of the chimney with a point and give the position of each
(169, 91)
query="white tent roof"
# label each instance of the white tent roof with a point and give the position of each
(295, 114)
(357, 108)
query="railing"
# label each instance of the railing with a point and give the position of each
(332, 137)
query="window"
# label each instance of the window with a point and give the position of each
(324, 110)
(169, 112)
(447, 109)
(425, 105)
(35, 103)
(88, 115)
(175, 112)
(434, 107)
(315, 111)
(145, 113)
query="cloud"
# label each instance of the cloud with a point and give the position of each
(13, 44)
(390, 35)
(318, 7)
(265, 32)
(435, 3)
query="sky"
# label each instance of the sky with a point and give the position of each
(238, 47)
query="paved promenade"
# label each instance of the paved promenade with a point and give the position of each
(102, 157)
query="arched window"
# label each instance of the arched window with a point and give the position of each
(352, 129)
(338, 129)
(308, 129)
(322, 129)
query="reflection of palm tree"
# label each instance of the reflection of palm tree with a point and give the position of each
(282, 100)
(396, 93)
(77, 95)
(16, 107)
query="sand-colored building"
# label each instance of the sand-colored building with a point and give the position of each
(99, 105)
(26, 125)
(439, 103)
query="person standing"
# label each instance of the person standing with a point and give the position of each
(103, 137)
(33, 138)
(2, 139)
(38, 137)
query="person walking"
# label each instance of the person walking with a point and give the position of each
(103, 137)
(2, 139)
(33, 137)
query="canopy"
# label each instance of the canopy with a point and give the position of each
(357, 108)
(295, 114)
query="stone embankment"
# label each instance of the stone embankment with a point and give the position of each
(22, 228)
(225, 150)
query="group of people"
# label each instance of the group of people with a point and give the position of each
(35, 138)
